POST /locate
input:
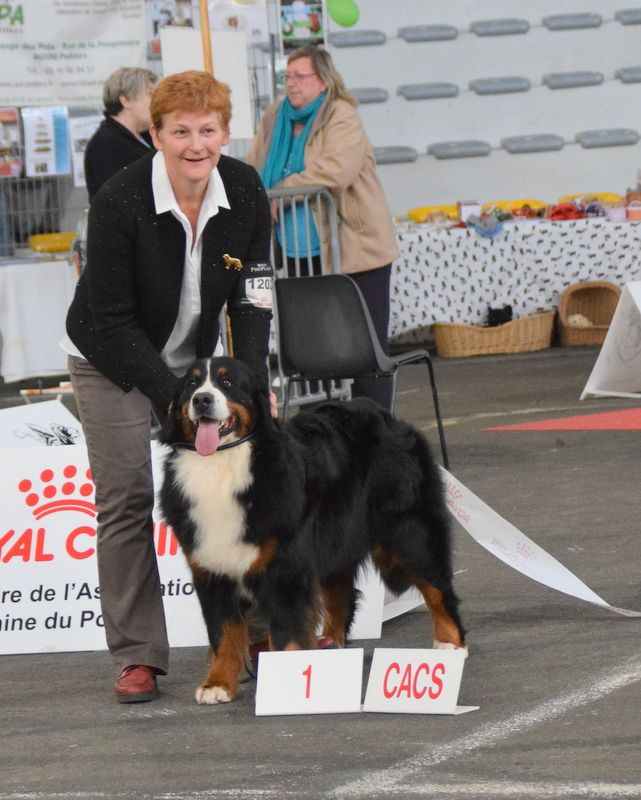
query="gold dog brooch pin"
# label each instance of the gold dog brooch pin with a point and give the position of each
(230, 262)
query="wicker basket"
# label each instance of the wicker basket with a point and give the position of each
(518, 336)
(595, 300)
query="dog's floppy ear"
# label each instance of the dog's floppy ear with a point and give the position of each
(172, 428)
(167, 424)
(260, 399)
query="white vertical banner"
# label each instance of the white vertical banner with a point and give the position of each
(617, 372)
(182, 50)
(61, 51)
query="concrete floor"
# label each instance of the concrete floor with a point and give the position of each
(557, 680)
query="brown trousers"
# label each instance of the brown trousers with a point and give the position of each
(117, 428)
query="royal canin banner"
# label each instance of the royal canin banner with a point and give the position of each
(49, 595)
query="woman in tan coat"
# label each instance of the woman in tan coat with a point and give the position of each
(314, 137)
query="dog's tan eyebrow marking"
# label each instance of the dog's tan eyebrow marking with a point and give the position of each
(222, 370)
(197, 372)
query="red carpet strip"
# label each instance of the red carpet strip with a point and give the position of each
(627, 419)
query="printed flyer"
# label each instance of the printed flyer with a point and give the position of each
(301, 23)
(46, 138)
(81, 129)
(10, 160)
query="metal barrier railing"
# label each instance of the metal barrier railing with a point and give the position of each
(292, 256)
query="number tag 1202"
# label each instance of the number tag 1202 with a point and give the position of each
(310, 682)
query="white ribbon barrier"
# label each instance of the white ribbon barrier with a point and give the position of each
(508, 544)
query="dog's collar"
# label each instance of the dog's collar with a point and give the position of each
(242, 440)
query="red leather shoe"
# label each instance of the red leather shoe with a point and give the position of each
(136, 684)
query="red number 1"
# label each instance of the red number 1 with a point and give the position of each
(308, 685)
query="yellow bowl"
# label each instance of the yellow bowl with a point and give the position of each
(51, 242)
(421, 213)
(602, 197)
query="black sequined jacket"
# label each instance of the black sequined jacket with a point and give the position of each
(126, 301)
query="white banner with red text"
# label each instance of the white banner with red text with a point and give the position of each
(49, 596)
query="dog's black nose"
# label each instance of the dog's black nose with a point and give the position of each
(203, 402)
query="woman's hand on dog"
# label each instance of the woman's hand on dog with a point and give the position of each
(273, 405)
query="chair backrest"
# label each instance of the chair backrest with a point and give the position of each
(324, 328)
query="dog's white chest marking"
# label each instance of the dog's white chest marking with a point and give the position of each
(211, 484)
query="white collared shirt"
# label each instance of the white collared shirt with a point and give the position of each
(180, 349)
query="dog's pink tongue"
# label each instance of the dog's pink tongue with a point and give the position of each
(207, 438)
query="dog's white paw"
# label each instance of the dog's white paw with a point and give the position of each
(449, 646)
(211, 695)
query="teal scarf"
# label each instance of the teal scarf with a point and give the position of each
(287, 156)
(286, 152)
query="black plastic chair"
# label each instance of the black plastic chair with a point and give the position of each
(326, 333)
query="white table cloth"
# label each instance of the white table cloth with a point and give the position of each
(34, 297)
(455, 275)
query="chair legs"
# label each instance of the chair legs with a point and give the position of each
(286, 388)
(437, 413)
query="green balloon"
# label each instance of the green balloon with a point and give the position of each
(343, 12)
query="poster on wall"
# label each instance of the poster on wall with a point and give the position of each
(249, 17)
(301, 22)
(61, 52)
(10, 160)
(46, 141)
(161, 13)
(81, 129)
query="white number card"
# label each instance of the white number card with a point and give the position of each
(310, 682)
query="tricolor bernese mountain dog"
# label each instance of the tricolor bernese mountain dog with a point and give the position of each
(283, 514)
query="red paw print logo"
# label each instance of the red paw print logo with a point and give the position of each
(69, 491)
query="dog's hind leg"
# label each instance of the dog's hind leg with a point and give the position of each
(339, 601)
(448, 631)
(443, 605)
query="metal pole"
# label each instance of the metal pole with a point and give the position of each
(206, 37)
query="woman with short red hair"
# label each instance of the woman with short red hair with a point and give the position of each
(162, 234)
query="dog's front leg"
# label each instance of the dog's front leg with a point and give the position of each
(291, 605)
(221, 683)
(228, 638)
